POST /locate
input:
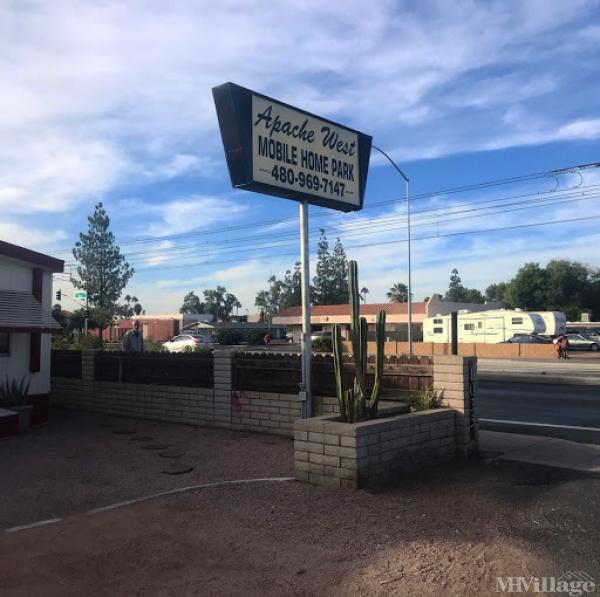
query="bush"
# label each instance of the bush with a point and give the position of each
(230, 337)
(322, 344)
(60, 342)
(255, 337)
(152, 346)
(424, 400)
(89, 342)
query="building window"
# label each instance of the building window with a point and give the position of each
(480, 324)
(517, 321)
(469, 326)
(4, 344)
(438, 321)
(438, 330)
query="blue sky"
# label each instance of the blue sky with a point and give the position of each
(112, 101)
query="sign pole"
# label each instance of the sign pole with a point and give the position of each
(305, 391)
(87, 311)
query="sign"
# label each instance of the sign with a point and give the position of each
(276, 149)
(80, 295)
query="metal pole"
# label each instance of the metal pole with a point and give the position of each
(85, 320)
(409, 271)
(305, 390)
(389, 159)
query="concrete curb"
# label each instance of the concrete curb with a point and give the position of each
(509, 377)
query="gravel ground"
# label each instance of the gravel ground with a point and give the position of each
(450, 531)
(77, 462)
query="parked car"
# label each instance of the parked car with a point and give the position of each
(528, 339)
(194, 341)
(580, 342)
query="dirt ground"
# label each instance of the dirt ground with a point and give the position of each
(449, 531)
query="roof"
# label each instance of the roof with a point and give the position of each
(365, 309)
(33, 257)
(21, 312)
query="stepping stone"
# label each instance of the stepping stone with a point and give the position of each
(142, 438)
(156, 446)
(124, 432)
(171, 454)
(178, 469)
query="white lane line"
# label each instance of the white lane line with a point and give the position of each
(528, 424)
(152, 497)
(33, 525)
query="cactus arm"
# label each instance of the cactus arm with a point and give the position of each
(379, 339)
(337, 365)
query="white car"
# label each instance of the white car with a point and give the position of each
(181, 342)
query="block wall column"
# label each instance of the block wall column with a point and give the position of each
(88, 364)
(454, 378)
(222, 387)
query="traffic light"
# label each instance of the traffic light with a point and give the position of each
(86, 313)
(58, 295)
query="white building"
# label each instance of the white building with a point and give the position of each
(26, 320)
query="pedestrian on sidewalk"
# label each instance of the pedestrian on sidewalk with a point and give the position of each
(267, 340)
(133, 341)
(564, 346)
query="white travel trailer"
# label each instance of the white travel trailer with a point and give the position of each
(556, 322)
(489, 327)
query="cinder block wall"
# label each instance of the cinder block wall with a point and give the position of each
(368, 453)
(455, 379)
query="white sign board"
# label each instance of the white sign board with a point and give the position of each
(303, 153)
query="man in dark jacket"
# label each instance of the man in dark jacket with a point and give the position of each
(133, 341)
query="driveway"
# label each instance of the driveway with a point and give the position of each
(449, 531)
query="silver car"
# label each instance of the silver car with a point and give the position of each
(182, 342)
(579, 342)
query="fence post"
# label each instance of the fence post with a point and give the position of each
(454, 377)
(88, 364)
(222, 387)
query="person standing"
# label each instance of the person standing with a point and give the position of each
(133, 341)
(267, 340)
(564, 346)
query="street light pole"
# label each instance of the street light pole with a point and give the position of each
(407, 181)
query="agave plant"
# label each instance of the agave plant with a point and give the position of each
(355, 404)
(14, 393)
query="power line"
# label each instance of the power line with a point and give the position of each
(550, 198)
(324, 213)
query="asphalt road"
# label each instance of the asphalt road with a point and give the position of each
(565, 411)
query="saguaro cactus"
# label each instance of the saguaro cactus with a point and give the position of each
(355, 405)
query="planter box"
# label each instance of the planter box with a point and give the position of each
(24, 413)
(9, 422)
(366, 454)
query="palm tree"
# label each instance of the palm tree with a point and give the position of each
(398, 293)
(363, 294)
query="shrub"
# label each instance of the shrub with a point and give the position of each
(151, 345)
(424, 400)
(60, 342)
(13, 393)
(230, 337)
(322, 344)
(89, 342)
(255, 337)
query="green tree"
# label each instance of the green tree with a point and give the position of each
(568, 283)
(457, 293)
(102, 270)
(398, 293)
(281, 294)
(220, 303)
(191, 304)
(363, 294)
(324, 281)
(339, 264)
(529, 288)
(59, 316)
(497, 293)
(130, 307)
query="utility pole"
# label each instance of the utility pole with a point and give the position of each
(305, 390)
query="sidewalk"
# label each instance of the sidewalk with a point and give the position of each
(547, 451)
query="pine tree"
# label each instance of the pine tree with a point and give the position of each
(102, 270)
(340, 274)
